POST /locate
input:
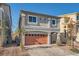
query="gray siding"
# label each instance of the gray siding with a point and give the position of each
(41, 21)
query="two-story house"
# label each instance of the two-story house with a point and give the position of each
(5, 23)
(37, 28)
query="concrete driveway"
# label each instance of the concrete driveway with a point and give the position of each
(50, 51)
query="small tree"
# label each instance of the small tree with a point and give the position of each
(70, 26)
(20, 32)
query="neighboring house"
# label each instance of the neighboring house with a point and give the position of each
(5, 23)
(38, 29)
(64, 22)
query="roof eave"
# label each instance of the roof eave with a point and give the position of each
(22, 11)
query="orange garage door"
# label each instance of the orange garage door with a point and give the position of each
(34, 39)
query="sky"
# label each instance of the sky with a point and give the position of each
(45, 8)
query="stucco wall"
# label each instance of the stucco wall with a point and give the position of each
(72, 16)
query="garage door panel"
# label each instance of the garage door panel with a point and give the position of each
(35, 39)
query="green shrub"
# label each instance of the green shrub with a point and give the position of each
(75, 50)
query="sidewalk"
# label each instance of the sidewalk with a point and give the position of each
(76, 44)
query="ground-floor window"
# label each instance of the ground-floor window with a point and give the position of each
(35, 35)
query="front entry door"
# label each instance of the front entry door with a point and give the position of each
(53, 38)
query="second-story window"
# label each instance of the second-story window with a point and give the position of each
(43, 20)
(53, 22)
(32, 19)
(77, 17)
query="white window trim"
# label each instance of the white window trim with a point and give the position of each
(55, 22)
(32, 22)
